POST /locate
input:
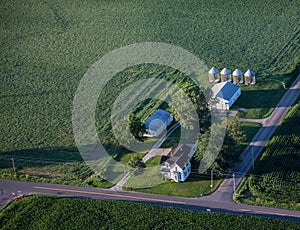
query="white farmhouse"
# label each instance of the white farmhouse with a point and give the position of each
(178, 166)
(226, 94)
(157, 123)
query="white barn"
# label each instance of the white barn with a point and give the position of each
(226, 94)
(178, 166)
(157, 122)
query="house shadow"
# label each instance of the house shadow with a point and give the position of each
(59, 165)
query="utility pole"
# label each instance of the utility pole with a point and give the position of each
(252, 158)
(211, 178)
(233, 184)
(126, 185)
(14, 167)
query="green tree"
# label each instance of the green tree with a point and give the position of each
(208, 151)
(230, 150)
(137, 128)
(233, 138)
(135, 164)
(197, 96)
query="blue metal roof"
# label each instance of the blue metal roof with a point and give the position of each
(227, 91)
(160, 115)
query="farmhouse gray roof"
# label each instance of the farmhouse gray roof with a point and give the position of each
(225, 71)
(225, 90)
(180, 155)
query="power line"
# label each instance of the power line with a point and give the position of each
(193, 171)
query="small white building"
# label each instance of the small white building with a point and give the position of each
(157, 123)
(178, 166)
(225, 93)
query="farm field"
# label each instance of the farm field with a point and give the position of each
(45, 212)
(45, 53)
(275, 180)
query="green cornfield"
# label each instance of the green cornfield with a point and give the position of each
(47, 46)
(44, 212)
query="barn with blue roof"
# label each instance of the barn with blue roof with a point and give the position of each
(226, 94)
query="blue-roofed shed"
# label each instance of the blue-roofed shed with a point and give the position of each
(157, 122)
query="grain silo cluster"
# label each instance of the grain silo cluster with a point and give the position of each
(237, 77)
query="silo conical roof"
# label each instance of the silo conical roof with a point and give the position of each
(225, 71)
(237, 73)
(249, 73)
(213, 70)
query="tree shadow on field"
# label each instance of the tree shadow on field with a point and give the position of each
(52, 165)
(280, 163)
(40, 157)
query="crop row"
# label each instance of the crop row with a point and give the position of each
(43, 212)
(276, 176)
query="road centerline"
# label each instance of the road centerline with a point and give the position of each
(109, 194)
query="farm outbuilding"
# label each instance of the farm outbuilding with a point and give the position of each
(250, 77)
(157, 122)
(225, 75)
(226, 93)
(213, 75)
(237, 76)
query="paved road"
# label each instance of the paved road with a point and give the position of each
(21, 187)
(219, 201)
(225, 191)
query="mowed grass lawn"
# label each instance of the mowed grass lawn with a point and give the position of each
(46, 48)
(195, 186)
